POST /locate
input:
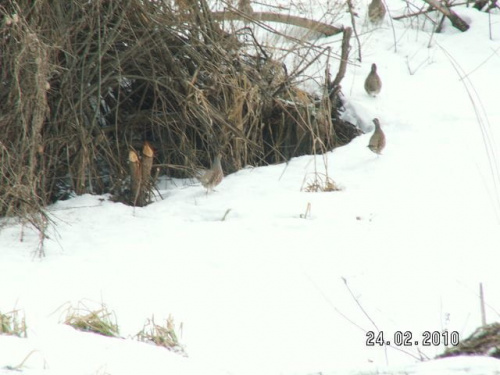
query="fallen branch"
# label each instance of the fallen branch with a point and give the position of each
(456, 21)
(320, 27)
(421, 12)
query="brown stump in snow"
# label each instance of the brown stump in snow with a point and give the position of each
(140, 175)
(146, 166)
(135, 177)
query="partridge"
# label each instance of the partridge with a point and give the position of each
(373, 83)
(212, 177)
(376, 11)
(377, 140)
(245, 7)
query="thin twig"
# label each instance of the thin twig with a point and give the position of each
(353, 23)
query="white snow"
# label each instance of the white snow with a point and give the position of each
(411, 235)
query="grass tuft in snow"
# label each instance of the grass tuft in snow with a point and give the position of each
(320, 182)
(483, 341)
(12, 324)
(100, 321)
(165, 336)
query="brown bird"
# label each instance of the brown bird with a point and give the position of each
(377, 140)
(373, 83)
(212, 177)
(245, 7)
(376, 11)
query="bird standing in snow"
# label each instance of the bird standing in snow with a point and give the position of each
(377, 140)
(212, 177)
(376, 11)
(373, 83)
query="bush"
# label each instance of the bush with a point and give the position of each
(84, 82)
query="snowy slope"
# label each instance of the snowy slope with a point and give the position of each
(412, 232)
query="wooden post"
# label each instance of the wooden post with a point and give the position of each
(483, 310)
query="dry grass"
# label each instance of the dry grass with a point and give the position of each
(319, 182)
(12, 324)
(484, 341)
(159, 335)
(100, 321)
(83, 83)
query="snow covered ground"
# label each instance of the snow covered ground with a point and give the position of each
(266, 291)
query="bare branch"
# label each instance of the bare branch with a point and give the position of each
(456, 21)
(320, 27)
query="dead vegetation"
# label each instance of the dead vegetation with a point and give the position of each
(12, 324)
(85, 82)
(89, 316)
(319, 182)
(165, 336)
(483, 341)
(97, 320)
